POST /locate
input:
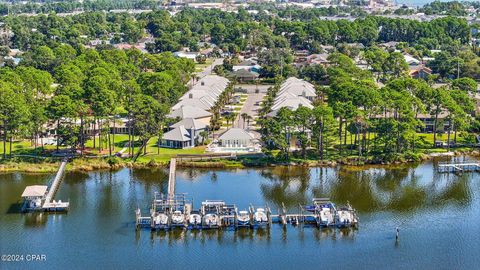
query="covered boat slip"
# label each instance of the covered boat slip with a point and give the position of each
(216, 214)
(40, 197)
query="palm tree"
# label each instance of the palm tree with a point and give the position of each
(230, 118)
(249, 118)
(244, 117)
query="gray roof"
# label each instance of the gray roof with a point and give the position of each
(190, 123)
(177, 134)
(247, 62)
(205, 93)
(235, 134)
(200, 103)
(243, 73)
(189, 112)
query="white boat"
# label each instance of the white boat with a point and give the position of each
(243, 218)
(346, 216)
(195, 219)
(160, 220)
(327, 216)
(211, 220)
(260, 217)
(178, 217)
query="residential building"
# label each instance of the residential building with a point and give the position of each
(191, 112)
(178, 137)
(204, 94)
(250, 64)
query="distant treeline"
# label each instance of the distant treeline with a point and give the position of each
(16, 7)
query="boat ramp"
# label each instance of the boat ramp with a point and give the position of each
(40, 197)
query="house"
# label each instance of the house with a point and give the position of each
(300, 56)
(318, 59)
(190, 125)
(177, 138)
(292, 102)
(297, 87)
(411, 61)
(248, 64)
(243, 75)
(236, 138)
(389, 45)
(184, 134)
(204, 94)
(293, 93)
(420, 72)
(191, 112)
(188, 55)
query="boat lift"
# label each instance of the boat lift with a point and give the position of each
(222, 215)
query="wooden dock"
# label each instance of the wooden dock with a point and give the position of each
(458, 167)
(40, 197)
(49, 204)
(171, 177)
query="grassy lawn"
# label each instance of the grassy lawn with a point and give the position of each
(201, 67)
(165, 154)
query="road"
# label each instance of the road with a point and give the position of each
(206, 71)
(250, 107)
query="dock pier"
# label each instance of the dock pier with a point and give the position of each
(171, 176)
(458, 167)
(40, 198)
(173, 211)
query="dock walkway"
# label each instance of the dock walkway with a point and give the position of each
(459, 167)
(48, 204)
(171, 177)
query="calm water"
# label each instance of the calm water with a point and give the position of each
(437, 214)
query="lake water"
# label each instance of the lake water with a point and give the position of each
(437, 214)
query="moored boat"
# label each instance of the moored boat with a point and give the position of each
(346, 216)
(243, 218)
(178, 218)
(160, 221)
(195, 220)
(260, 217)
(325, 212)
(211, 220)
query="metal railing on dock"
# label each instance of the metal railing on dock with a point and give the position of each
(48, 205)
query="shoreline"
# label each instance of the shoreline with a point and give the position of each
(88, 165)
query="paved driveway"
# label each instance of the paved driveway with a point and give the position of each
(252, 104)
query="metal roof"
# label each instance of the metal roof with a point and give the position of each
(189, 123)
(177, 134)
(35, 191)
(188, 111)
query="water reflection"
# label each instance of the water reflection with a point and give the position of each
(432, 210)
(404, 189)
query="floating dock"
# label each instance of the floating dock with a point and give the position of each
(459, 167)
(40, 198)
